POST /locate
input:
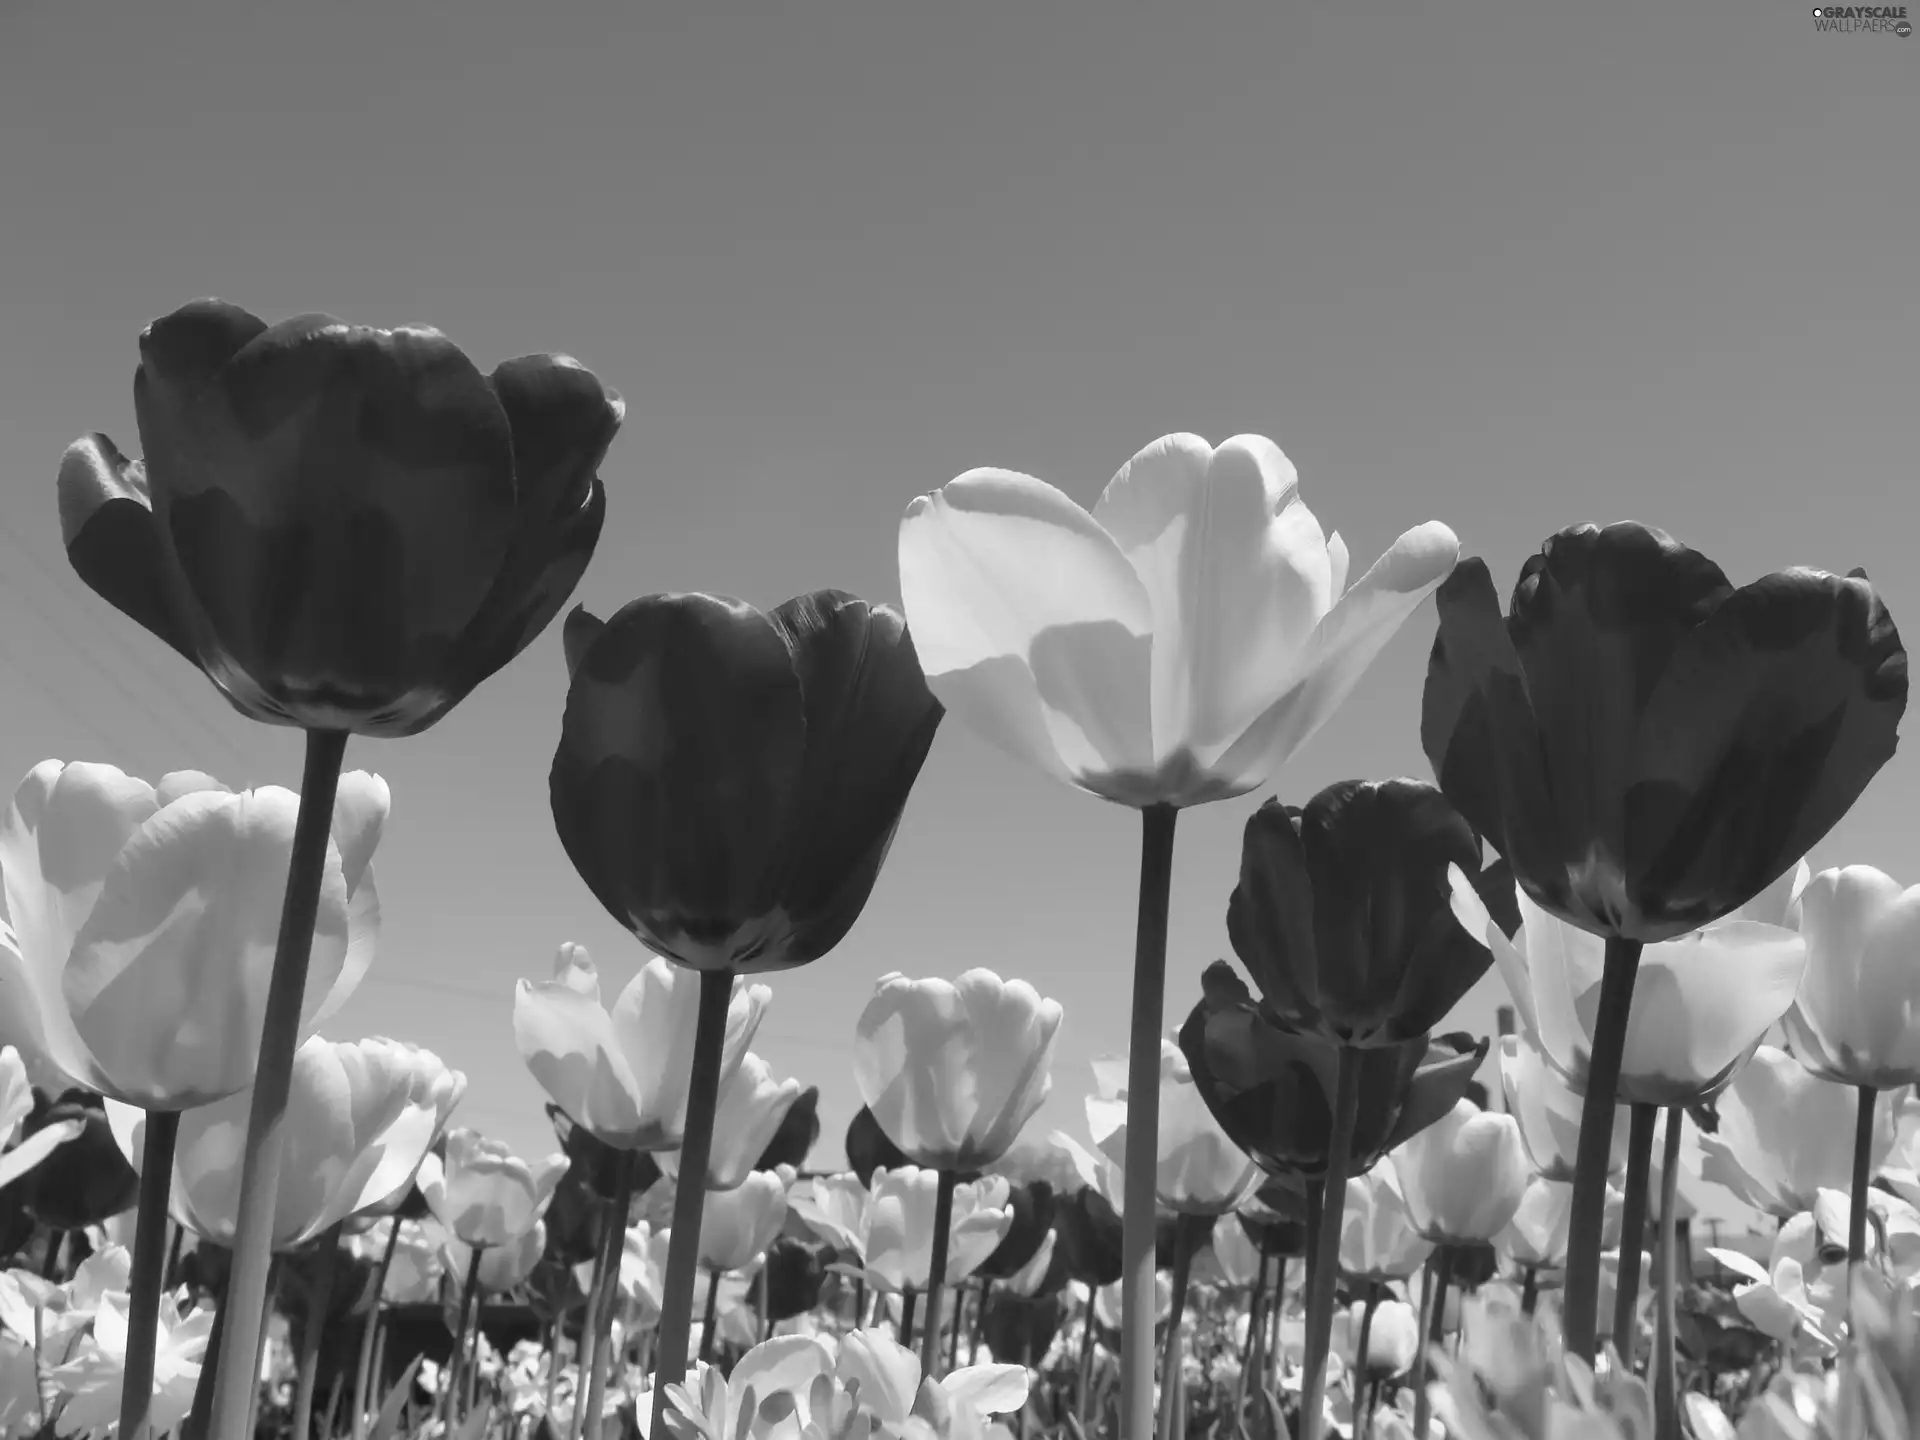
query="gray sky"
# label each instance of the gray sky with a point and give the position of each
(1511, 267)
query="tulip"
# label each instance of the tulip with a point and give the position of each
(483, 1193)
(496, 1268)
(737, 1225)
(1649, 748)
(1272, 1088)
(439, 517)
(1378, 1241)
(360, 1118)
(1536, 1237)
(953, 1070)
(1784, 1135)
(898, 1245)
(1547, 1110)
(727, 784)
(1855, 1017)
(1173, 647)
(1392, 1339)
(1088, 1231)
(869, 1149)
(796, 1135)
(1200, 1171)
(1029, 1230)
(752, 1105)
(1463, 1177)
(82, 1179)
(622, 1075)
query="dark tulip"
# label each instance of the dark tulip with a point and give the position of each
(1032, 1206)
(594, 1163)
(553, 1286)
(85, 1180)
(1648, 746)
(1281, 1238)
(728, 781)
(344, 528)
(1021, 1331)
(798, 1133)
(1087, 1237)
(869, 1149)
(1271, 1086)
(1344, 911)
(575, 1217)
(795, 1271)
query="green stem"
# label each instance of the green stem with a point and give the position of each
(1183, 1238)
(909, 1299)
(1633, 1231)
(1143, 1123)
(1587, 1222)
(1433, 1325)
(1365, 1343)
(363, 1377)
(456, 1357)
(937, 1274)
(690, 1194)
(311, 1332)
(1862, 1180)
(266, 1141)
(1324, 1275)
(1666, 1380)
(711, 1319)
(606, 1279)
(1529, 1289)
(149, 1270)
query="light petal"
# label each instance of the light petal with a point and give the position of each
(989, 1389)
(570, 1045)
(1702, 1001)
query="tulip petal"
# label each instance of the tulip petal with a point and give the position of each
(573, 1049)
(168, 977)
(1031, 625)
(1237, 575)
(1270, 915)
(1764, 728)
(1342, 647)
(360, 808)
(363, 941)
(111, 539)
(989, 1389)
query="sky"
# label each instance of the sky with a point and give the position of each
(1511, 267)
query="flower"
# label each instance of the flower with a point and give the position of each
(1173, 647)
(898, 1246)
(1547, 1110)
(93, 1378)
(144, 920)
(737, 1225)
(1463, 1176)
(1393, 1340)
(485, 1194)
(623, 1075)
(1029, 1230)
(359, 1120)
(1088, 1231)
(952, 1070)
(502, 1267)
(751, 1106)
(1271, 1086)
(1647, 746)
(1784, 1134)
(1201, 1171)
(1341, 915)
(344, 528)
(834, 1207)
(1701, 1001)
(70, 1170)
(1378, 1241)
(1856, 1019)
(1536, 1236)
(728, 781)
(1773, 1300)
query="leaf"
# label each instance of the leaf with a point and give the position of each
(388, 1420)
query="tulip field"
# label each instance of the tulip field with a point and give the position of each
(1289, 1209)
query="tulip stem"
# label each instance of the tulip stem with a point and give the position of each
(1256, 1322)
(1529, 1289)
(1170, 1354)
(1085, 1389)
(696, 1151)
(1364, 1345)
(1862, 1180)
(711, 1316)
(318, 1301)
(266, 1140)
(1587, 1221)
(149, 1269)
(606, 1277)
(1323, 1275)
(363, 1378)
(909, 1299)
(1137, 1298)
(456, 1356)
(1633, 1231)
(937, 1274)
(1433, 1325)
(1666, 1380)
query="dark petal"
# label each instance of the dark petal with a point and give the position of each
(583, 627)
(1445, 1071)
(869, 1149)
(1595, 621)
(1770, 722)
(107, 526)
(1383, 925)
(680, 757)
(1478, 730)
(798, 1133)
(1494, 885)
(795, 1272)
(1032, 1207)
(870, 720)
(1270, 914)
(1089, 1229)
(190, 347)
(339, 501)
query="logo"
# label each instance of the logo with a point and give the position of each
(1864, 19)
